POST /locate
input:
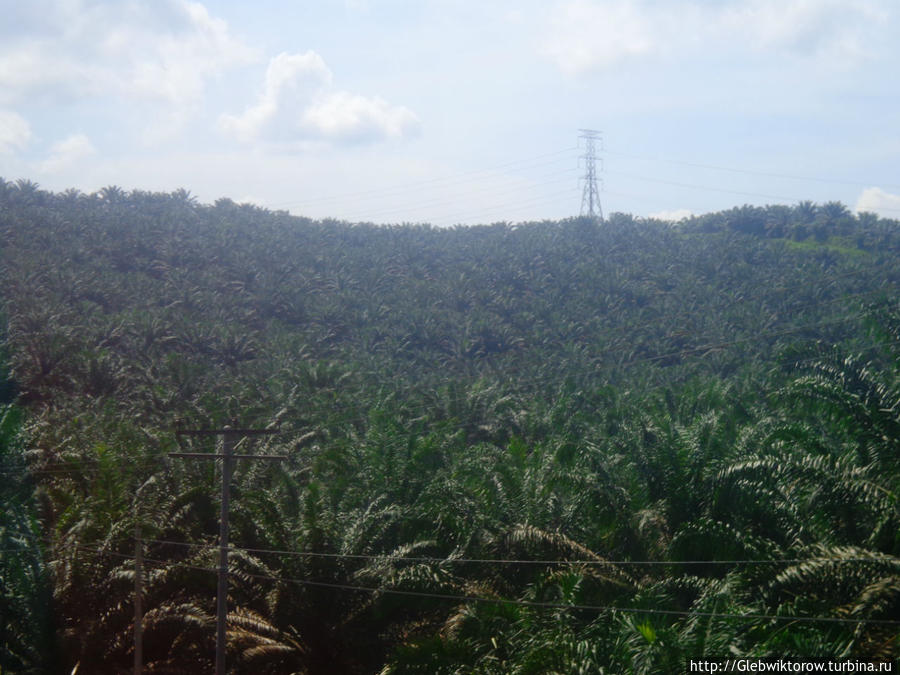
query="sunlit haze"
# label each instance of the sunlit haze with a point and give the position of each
(457, 112)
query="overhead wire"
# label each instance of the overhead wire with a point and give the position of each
(414, 206)
(516, 602)
(746, 193)
(478, 175)
(529, 163)
(508, 209)
(663, 203)
(466, 176)
(752, 172)
(598, 562)
(100, 546)
(706, 188)
(444, 199)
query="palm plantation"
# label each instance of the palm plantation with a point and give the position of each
(553, 447)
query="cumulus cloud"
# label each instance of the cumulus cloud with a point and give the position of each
(588, 35)
(68, 152)
(300, 104)
(876, 200)
(672, 216)
(15, 132)
(340, 115)
(291, 81)
(151, 49)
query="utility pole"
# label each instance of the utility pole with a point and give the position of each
(138, 582)
(229, 437)
(138, 600)
(590, 198)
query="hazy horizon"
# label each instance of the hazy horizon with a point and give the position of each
(452, 113)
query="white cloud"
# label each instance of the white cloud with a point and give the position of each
(291, 81)
(589, 35)
(672, 216)
(152, 49)
(181, 61)
(68, 152)
(15, 132)
(299, 104)
(876, 200)
(343, 116)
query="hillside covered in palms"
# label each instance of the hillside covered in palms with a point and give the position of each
(546, 447)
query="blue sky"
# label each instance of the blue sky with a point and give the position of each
(455, 111)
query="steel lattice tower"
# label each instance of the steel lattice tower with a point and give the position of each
(590, 198)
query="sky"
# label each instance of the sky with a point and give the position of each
(457, 112)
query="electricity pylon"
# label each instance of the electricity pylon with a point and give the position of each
(590, 197)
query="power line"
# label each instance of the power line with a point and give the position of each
(875, 558)
(705, 187)
(463, 177)
(511, 207)
(752, 172)
(580, 607)
(525, 603)
(708, 188)
(519, 561)
(588, 193)
(445, 201)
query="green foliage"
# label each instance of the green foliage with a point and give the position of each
(584, 399)
(26, 624)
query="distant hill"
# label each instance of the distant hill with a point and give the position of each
(101, 279)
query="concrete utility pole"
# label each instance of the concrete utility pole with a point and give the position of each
(139, 582)
(138, 600)
(229, 440)
(590, 198)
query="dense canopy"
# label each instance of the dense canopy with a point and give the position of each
(568, 447)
